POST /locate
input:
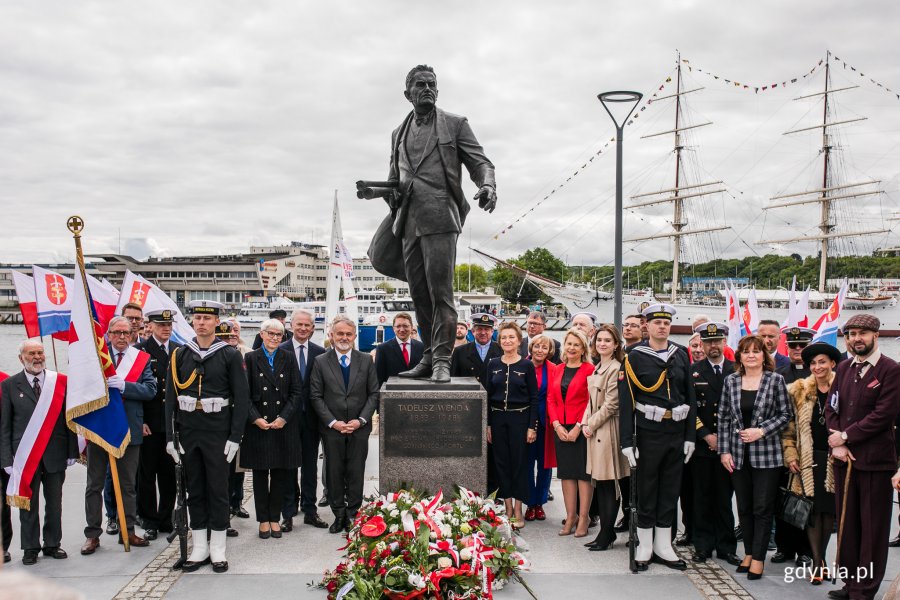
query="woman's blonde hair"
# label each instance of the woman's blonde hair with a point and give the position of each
(585, 349)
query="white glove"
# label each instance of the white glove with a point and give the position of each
(70, 462)
(231, 450)
(170, 450)
(117, 382)
(631, 454)
(688, 451)
(8, 470)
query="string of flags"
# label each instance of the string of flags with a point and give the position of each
(645, 104)
(756, 88)
(861, 74)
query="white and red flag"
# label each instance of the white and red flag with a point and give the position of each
(27, 302)
(828, 324)
(105, 298)
(733, 316)
(137, 290)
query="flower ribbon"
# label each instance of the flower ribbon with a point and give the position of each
(445, 546)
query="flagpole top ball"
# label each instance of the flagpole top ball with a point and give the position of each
(659, 311)
(712, 331)
(863, 321)
(205, 307)
(75, 224)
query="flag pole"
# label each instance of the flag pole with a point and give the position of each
(53, 345)
(76, 225)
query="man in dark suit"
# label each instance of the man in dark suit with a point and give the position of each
(469, 359)
(304, 493)
(344, 392)
(534, 326)
(797, 339)
(134, 394)
(155, 468)
(20, 395)
(713, 522)
(428, 212)
(862, 405)
(770, 332)
(400, 353)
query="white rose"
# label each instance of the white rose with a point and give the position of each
(445, 531)
(444, 562)
(394, 528)
(465, 554)
(395, 513)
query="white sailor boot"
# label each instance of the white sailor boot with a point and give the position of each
(217, 551)
(644, 550)
(199, 553)
(663, 551)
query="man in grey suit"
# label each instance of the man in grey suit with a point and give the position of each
(20, 394)
(417, 241)
(344, 393)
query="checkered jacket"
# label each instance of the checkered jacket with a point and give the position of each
(772, 411)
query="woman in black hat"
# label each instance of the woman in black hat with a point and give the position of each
(806, 452)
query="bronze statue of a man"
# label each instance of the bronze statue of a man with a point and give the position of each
(417, 241)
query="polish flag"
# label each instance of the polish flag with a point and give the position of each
(149, 297)
(105, 298)
(27, 303)
(733, 316)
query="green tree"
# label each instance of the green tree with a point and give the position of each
(480, 277)
(539, 261)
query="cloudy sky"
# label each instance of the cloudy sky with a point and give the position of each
(203, 127)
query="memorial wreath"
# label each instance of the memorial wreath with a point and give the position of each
(405, 546)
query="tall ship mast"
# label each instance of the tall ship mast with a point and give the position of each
(832, 188)
(682, 190)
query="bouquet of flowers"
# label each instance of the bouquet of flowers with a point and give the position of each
(403, 546)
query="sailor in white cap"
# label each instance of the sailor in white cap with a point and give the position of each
(207, 401)
(657, 417)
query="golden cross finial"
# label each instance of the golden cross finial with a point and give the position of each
(75, 224)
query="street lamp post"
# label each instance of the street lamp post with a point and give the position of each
(619, 97)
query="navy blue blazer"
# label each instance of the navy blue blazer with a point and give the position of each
(389, 358)
(313, 350)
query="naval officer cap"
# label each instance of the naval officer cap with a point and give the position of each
(712, 331)
(484, 320)
(224, 329)
(659, 311)
(587, 314)
(799, 335)
(205, 307)
(161, 315)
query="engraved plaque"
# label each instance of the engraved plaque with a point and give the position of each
(432, 427)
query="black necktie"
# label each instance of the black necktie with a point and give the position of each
(859, 370)
(718, 369)
(301, 360)
(36, 386)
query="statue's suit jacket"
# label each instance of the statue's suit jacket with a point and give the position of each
(457, 146)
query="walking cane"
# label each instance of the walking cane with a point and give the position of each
(837, 554)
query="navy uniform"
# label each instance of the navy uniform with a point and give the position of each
(155, 468)
(657, 413)
(207, 397)
(790, 540)
(713, 515)
(466, 360)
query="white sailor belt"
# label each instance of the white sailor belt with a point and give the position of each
(207, 405)
(658, 413)
(680, 412)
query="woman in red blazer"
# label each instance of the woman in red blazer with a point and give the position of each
(567, 398)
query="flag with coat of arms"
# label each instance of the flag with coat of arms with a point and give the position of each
(137, 290)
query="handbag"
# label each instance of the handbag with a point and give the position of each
(794, 509)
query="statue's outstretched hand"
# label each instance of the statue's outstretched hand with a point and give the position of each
(487, 198)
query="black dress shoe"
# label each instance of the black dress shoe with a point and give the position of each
(731, 559)
(112, 527)
(264, 535)
(337, 526)
(594, 522)
(150, 534)
(276, 533)
(420, 371)
(231, 532)
(754, 576)
(642, 565)
(895, 543)
(240, 514)
(315, 521)
(781, 557)
(699, 557)
(683, 540)
(841, 594)
(30, 557)
(802, 559)
(287, 525)
(191, 566)
(324, 501)
(621, 526)
(678, 565)
(6, 557)
(57, 553)
(602, 546)
(220, 567)
(549, 496)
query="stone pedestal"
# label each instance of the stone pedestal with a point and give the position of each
(432, 436)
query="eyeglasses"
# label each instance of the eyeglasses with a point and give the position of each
(272, 333)
(139, 319)
(121, 333)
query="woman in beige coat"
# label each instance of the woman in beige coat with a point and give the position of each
(806, 454)
(600, 425)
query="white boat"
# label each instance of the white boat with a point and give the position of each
(252, 314)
